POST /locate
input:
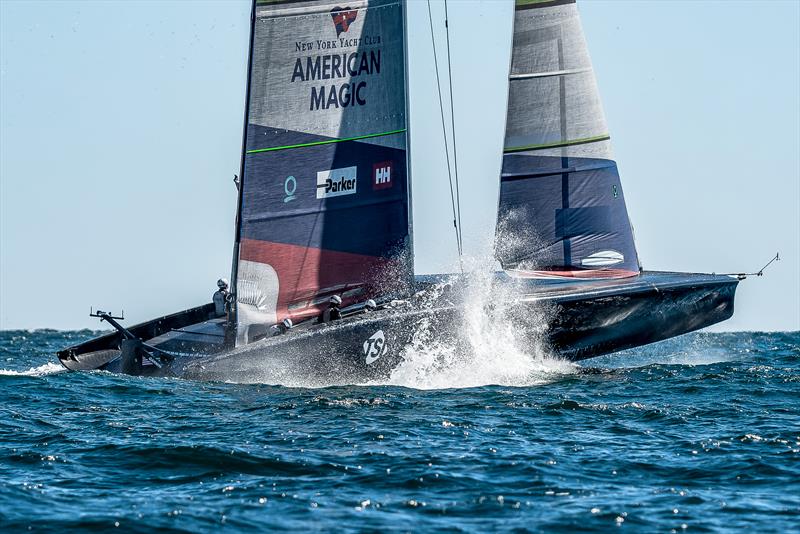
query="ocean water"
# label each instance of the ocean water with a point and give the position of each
(700, 433)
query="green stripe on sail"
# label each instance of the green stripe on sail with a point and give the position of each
(326, 142)
(558, 144)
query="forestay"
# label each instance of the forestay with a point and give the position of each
(324, 194)
(562, 211)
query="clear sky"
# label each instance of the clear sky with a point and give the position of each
(121, 122)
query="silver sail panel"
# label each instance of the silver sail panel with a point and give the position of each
(324, 200)
(562, 211)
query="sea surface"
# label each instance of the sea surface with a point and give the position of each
(700, 433)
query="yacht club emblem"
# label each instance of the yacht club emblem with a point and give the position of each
(343, 17)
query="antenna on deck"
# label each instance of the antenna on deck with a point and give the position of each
(776, 258)
(760, 272)
(105, 315)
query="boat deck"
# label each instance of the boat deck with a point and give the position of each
(586, 317)
(566, 288)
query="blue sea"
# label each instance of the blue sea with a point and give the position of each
(700, 433)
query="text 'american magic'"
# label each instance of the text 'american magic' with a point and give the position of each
(332, 66)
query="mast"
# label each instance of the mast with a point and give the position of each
(410, 249)
(240, 185)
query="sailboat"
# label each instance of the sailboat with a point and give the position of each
(324, 217)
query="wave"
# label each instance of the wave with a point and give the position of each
(43, 370)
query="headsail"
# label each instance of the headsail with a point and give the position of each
(561, 212)
(324, 199)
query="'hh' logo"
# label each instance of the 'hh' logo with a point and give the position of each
(382, 175)
(342, 18)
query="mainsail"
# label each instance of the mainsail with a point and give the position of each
(324, 191)
(561, 212)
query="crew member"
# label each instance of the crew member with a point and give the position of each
(284, 326)
(221, 298)
(333, 312)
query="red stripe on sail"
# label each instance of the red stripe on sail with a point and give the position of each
(307, 276)
(592, 274)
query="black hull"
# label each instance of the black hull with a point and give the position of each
(576, 320)
(585, 328)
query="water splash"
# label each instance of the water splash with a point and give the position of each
(496, 341)
(43, 370)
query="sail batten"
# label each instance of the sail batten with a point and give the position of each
(565, 72)
(326, 142)
(561, 204)
(558, 144)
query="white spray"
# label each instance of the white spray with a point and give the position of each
(498, 342)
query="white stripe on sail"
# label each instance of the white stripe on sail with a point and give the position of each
(547, 74)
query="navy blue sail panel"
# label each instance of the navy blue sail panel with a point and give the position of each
(324, 202)
(364, 217)
(562, 211)
(565, 219)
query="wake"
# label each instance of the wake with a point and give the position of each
(43, 370)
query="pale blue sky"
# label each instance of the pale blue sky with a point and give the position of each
(120, 131)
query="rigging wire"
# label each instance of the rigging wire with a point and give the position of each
(453, 129)
(760, 272)
(456, 211)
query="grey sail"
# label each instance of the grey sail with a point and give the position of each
(562, 211)
(324, 200)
